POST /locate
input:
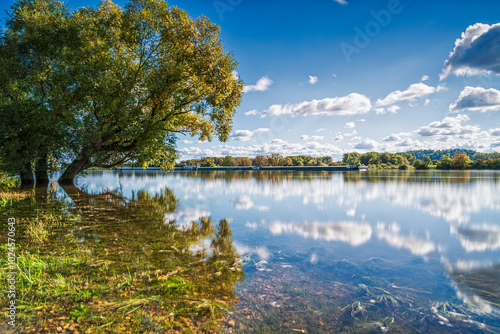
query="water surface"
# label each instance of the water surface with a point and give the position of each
(327, 252)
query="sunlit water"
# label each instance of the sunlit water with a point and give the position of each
(355, 251)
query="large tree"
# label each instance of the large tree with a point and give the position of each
(33, 118)
(142, 75)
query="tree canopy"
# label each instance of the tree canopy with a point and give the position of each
(32, 118)
(122, 84)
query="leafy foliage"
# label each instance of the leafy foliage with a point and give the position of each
(117, 91)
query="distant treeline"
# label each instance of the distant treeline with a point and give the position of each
(423, 159)
(436, 155)
(261, 160)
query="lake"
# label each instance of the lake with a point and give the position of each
(321, 252)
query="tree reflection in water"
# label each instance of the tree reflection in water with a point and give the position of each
(125, 268)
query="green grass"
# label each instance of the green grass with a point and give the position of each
(74, 270)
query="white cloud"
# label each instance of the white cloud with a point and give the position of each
(350, 125)
(275, 146)
(313, 79)
(261, 85)
(424, 78)
(321, 130)
(342, 2)
(251, 112)
(246, 135)
(448, 126)
(241, 135)
(366, 144)
(413, 92)
(351, 104)
(476, 99)
(186, 141)
(338, 138)
(393, 109)
(392, 137)
(495, 132)
(235, 75)
(427, 101)
(475, 52)
(306, 137)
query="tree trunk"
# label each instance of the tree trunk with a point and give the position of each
(27, 180)
(73, 169)
(41, 172)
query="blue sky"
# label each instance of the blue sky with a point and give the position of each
(329, 77)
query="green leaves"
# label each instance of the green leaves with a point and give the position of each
(116, 91)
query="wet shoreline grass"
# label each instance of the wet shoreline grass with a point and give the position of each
(77, 275)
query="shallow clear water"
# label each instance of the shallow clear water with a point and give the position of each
(349, 252)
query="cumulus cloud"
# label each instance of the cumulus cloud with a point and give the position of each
(251, 112)
(476, 99)
(241, 135)
(392, 137)
(495, 132)
(424, 78)
(366, 144)
(476, 52)
(448, 126)
(351, 104)
(392, 109)
(235, 75)
(338, 138)
(306, 137)
(261, 85)
(246, 135)
(350, 125)
(313, 79)
(275, 146)
(413, 92)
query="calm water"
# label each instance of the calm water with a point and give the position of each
(397, 251)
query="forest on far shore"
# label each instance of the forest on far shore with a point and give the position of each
(422, 159)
